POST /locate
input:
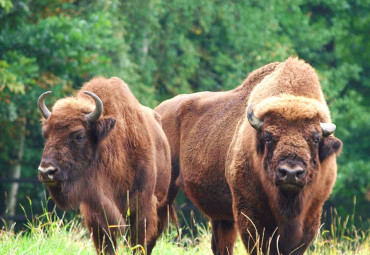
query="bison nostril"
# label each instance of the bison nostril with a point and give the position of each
(52, 172)
(281, 174)
(288, 175)
(48, 173)
(300, 174)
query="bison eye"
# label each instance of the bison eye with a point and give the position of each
(268, 138)
(79, 138)
(317, 140)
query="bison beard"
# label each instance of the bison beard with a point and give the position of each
(290, 203)
(108, 161)
(264, 150)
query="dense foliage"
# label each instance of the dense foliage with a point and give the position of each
(162, 48)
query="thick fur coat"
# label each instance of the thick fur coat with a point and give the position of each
(118, 164)
(228, 168)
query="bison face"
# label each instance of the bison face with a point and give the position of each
(292, 152)
(290, 156)
(70, 152)
(67, 152)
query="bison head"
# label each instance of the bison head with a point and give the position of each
(292, 150)
(72, 134)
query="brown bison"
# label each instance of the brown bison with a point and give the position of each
(113, 162)
(261, 157)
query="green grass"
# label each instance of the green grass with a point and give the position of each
(47, 234)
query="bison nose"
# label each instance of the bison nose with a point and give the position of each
(286, 174)
(47, 171)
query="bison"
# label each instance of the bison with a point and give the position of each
(108, 156)
(260, 158)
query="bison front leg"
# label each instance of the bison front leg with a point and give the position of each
(223, 237)
(104, 241)
(143, 220)
(310, 230)
(165, 211)
(256, 238)
(103, 222)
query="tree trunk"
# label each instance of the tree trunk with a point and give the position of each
(15, 171)
(145, 50)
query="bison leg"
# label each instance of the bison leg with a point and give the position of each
(103, 222)
(162, 219)
(144, 219)
(310, 230)
(286, 238)
(223, 237)
(104, 243)
(256, 239)
(165, 211)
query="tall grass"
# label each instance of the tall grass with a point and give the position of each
(49, 234)
(343, 236)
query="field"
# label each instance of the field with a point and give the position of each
(47, 234)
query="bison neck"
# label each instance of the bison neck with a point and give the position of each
(287, 209)
(60, 197)
(290, 234)
(289, 204)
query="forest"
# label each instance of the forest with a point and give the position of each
(162, 48)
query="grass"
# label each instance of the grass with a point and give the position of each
(48, 234)
(45, 235)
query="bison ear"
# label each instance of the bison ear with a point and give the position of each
(328, 146)
(102, 127)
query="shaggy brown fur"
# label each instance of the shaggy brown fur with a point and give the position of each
(118, 163)
(228, 169)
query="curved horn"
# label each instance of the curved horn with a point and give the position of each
(92, 117)
(327, 128)
(253, 120)
(42, 107)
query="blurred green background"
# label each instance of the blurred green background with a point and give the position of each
(162, 48)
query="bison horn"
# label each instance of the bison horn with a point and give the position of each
(42, 107)
(253, 120)
(92, 117)
(327, 128)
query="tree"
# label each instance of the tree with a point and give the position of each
(164, 48)
(47, 45)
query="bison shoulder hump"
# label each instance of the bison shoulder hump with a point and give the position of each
(187, 106)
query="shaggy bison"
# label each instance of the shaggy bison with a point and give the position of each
(260, 158)
(107, 154)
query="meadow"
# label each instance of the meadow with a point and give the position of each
(49, 234)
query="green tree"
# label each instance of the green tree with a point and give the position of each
(48, 45)
(164, 48)
(213, 45)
